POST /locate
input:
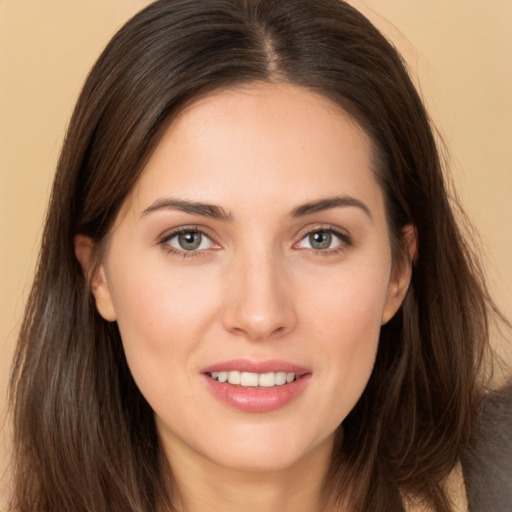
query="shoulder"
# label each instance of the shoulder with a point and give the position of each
(456, 490)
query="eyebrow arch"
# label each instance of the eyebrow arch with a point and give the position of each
(329, 203)
(195, 208)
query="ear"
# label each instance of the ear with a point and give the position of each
(95, 275)
(401, 274)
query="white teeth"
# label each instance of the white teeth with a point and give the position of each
(267, 380)
(281, 378)
(234, 377)
(249, 379)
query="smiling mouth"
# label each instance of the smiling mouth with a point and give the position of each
(254, 380)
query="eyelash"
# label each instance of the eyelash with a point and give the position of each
(164, 241)
(345, 241)
(344, 244)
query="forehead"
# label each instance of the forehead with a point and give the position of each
(263, 142)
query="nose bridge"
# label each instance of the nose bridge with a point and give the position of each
(260, 303)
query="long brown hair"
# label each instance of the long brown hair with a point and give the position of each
(85, 438)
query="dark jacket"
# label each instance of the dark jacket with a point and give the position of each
(487, 464)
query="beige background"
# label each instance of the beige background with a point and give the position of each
(459, 50)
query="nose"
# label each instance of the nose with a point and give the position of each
(259, 302)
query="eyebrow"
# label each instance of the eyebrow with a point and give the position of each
(329, 203)
(205, 210)
(218, 213)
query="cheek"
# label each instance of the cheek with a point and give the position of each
(348, 304)
(347, 328)
(156, 299)
(161, 317)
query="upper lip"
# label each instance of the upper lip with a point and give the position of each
(252, 366)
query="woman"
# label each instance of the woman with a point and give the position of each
(252, 291)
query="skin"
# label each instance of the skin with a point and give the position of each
(255, 289)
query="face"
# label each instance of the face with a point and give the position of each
(250, 272)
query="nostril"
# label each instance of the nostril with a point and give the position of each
(259, 332)
(258, 309)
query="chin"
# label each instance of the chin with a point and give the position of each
(256, 463)
(262, 453)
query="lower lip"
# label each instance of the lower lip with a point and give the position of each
(257, 399)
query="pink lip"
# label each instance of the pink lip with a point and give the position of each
(257, 399)
(247, 365)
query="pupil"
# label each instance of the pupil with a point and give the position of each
(320, 240)
(190, 240)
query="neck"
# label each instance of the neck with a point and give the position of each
(204, 485)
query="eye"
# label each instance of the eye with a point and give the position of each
(323, 240)
(188, 240)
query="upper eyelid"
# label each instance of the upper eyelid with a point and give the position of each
(302, 233)
(167, 236)
(342, 233)
(170, 233)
